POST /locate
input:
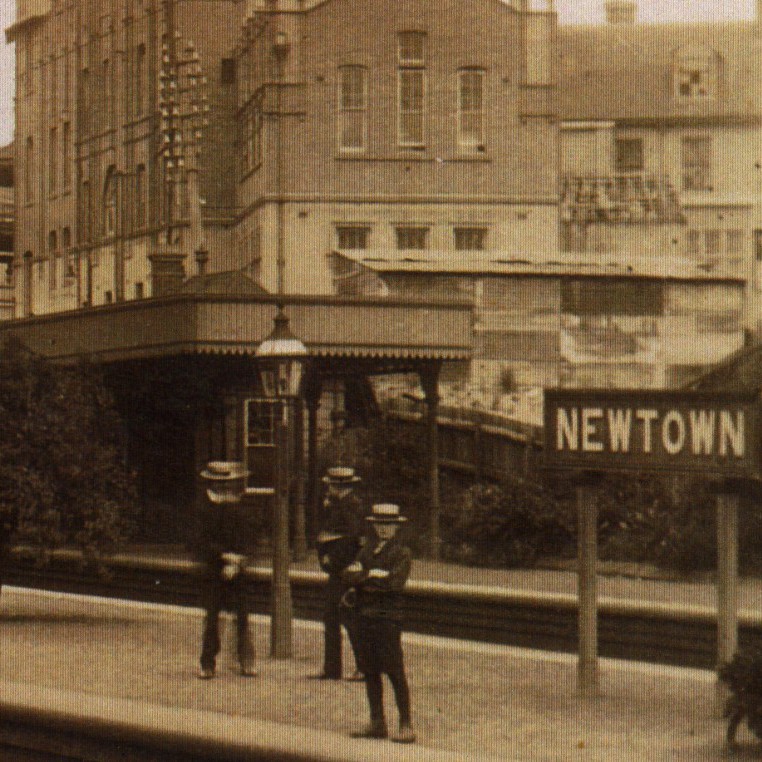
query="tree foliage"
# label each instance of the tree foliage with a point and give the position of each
(63, 475)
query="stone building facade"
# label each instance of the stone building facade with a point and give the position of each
(653, 111)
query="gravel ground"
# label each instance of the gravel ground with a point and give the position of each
(472, 699)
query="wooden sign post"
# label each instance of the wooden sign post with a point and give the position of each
(587, 558)
(727, 585)
(707, 434)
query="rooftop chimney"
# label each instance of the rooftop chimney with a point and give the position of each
(623, 11)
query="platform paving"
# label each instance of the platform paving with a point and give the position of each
(474, 700)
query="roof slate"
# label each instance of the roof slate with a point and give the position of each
(625, 71)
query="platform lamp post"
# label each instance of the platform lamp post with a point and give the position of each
(282, 359)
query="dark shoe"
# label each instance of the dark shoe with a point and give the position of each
(323, 676)
(356, 677)
(405, 735)
(376, 730)
(205, 673)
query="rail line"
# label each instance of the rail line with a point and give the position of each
(679, 635)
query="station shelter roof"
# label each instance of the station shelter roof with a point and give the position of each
(389, 331)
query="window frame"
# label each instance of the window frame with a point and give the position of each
(408, 69)
(344, 110)
(464, 143)
(363, 231)
(623, 164)
(276, 411)
(401, 230)
(419, 142)
(696, 169)
(480, 231)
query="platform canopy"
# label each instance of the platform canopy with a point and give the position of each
(364, 329)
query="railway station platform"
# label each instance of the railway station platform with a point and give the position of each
(122, 670)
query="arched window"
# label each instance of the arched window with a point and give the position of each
(109, 203)
(695, 73)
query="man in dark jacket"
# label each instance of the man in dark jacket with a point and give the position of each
(226, 544)
(338, 544)
(377, 579)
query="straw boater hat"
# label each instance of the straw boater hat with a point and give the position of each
(341, 475)
(386, 513)
(224, 471)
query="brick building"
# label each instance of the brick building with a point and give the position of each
(267, 134)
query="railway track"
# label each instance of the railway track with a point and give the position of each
(669, 634)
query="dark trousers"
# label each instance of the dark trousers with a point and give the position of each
(334, 616)
(219, 595)
(380, 651)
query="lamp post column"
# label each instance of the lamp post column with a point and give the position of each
(282, 613)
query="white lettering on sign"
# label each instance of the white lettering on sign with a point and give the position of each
(647, 416)
(620, 424)
(589, 417)
(567, 429)
(615, 430)
(673, 432)
(702, 431)
(732, 433)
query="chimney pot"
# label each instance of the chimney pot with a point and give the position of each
(623, 11)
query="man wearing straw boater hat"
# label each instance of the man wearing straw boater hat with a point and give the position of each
(377, 579)
(226, 544)
(338, 544)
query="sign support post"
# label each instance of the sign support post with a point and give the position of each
(727, 584)
(587, 549)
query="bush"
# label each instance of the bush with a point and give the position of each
(743, 676)
(63, 478)
(506, 526)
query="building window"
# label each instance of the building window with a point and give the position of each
(53, 257)
(411, 48)
(352, 237)
(471, 109)
(68, 264)
(228, 71)
(713, 242)
(139, 291)
(85, 116)
(86, 204)
(693, 242)
(107, 92)
(695, 73)
(29, 170)
(253, 124)
(412, 237)
(66, 156)
(758, 245)
(53, 87)
(628, 155)
(259, 419)
(139, 81)
(109, 203)
(140, 197)
(734, 242)
(53, 160)
(697, 163)
(470, 238)
(353, 108)
(411, 89)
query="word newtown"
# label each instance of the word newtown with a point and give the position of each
(651, 431)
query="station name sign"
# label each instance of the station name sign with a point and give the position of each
(663, 431)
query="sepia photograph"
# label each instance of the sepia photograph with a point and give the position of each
(380, 380)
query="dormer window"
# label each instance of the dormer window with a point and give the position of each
(695, 73)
